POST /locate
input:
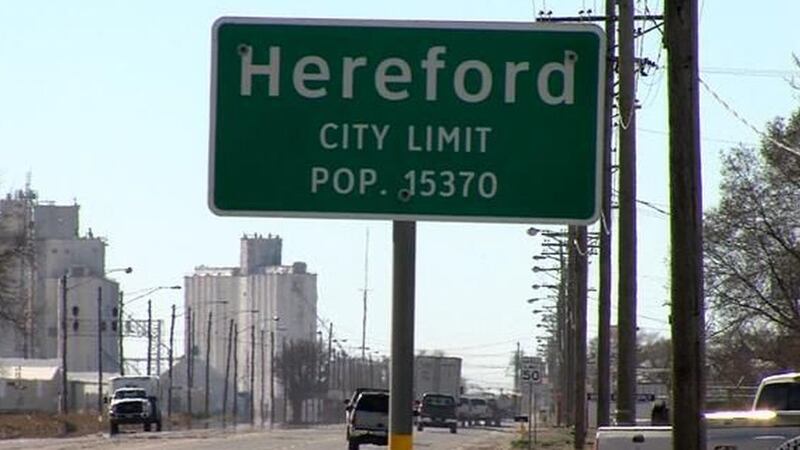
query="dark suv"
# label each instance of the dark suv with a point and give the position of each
(368, 419)
(437, 410)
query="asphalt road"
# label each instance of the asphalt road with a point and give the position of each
(317, 438)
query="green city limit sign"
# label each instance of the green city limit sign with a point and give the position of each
(396, 120)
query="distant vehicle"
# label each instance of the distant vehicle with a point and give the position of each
(134, 400)
(772, 421)
(439, 374)
(463, 413)
(479, 410)
(368, 419)
(438, 411)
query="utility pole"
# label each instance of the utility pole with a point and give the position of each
(686, 225)
(189, 362)
(149, 336)
(170, 355)
(581, 280)
(64, 385)
(605, 281)
(99, 351)
(626, 373)
(517, 369)
(235, 374)
(158, 347)
(227, 376)
(252, 374)
(364, 315)
(206, 410)
(120, 335)
(271, 377)
(572, 300)
(285, 373)
(261, 380)
(330, 349)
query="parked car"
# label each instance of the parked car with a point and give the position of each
(438, 411)
(368, 419)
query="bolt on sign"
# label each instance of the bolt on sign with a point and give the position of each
(461, 121)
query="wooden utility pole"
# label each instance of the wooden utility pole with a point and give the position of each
(271, 376)
(626, 373)
(235, 374)
(99, 351)
(686, 225)
(261, 396)
(604, 285)
(572, 300)
(330, 350)
(149, 336)
(227, 376)
(171, 355)
(206, 410)
(121, 334)
(252, 374)
(581, 287)
(189, 362)
(63, 408)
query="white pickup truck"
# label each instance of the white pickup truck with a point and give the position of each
(773, 420)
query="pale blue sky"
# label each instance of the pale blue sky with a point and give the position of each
(107, 102)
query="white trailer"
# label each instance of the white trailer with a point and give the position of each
(437, 375)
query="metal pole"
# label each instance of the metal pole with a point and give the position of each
(227, 376)
(605, 281)
(330, 349)
(170, 355)
(572, 300)
(99, 351)
(530, 415)
(686, 225)
(626, 374)
(64, 385)
(561, 311)
(402, 371)
(149, 336)
(120, 334)
(206, 409)
(252, 374)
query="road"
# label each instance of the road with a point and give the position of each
(317, 438)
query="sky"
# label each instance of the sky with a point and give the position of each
(106, 103)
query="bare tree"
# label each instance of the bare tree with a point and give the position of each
(752, 255)
(299, 367)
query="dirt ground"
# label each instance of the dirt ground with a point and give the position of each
(40, 425)
(550, 439)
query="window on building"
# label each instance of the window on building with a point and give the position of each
(75, 310)
(114, 311)
(74, 325)
(113, 325)
(102, 326)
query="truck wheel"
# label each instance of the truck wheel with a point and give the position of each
(114, 428)
(453, 429)
(158, 426)
(419, 427)
(352, 445)
(147, 426)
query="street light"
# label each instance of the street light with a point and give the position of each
(545, 286)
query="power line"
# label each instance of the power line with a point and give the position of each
(738, 116)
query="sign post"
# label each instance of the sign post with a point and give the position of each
(406, 121)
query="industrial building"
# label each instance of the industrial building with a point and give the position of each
(41, 248)
(268, 303)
